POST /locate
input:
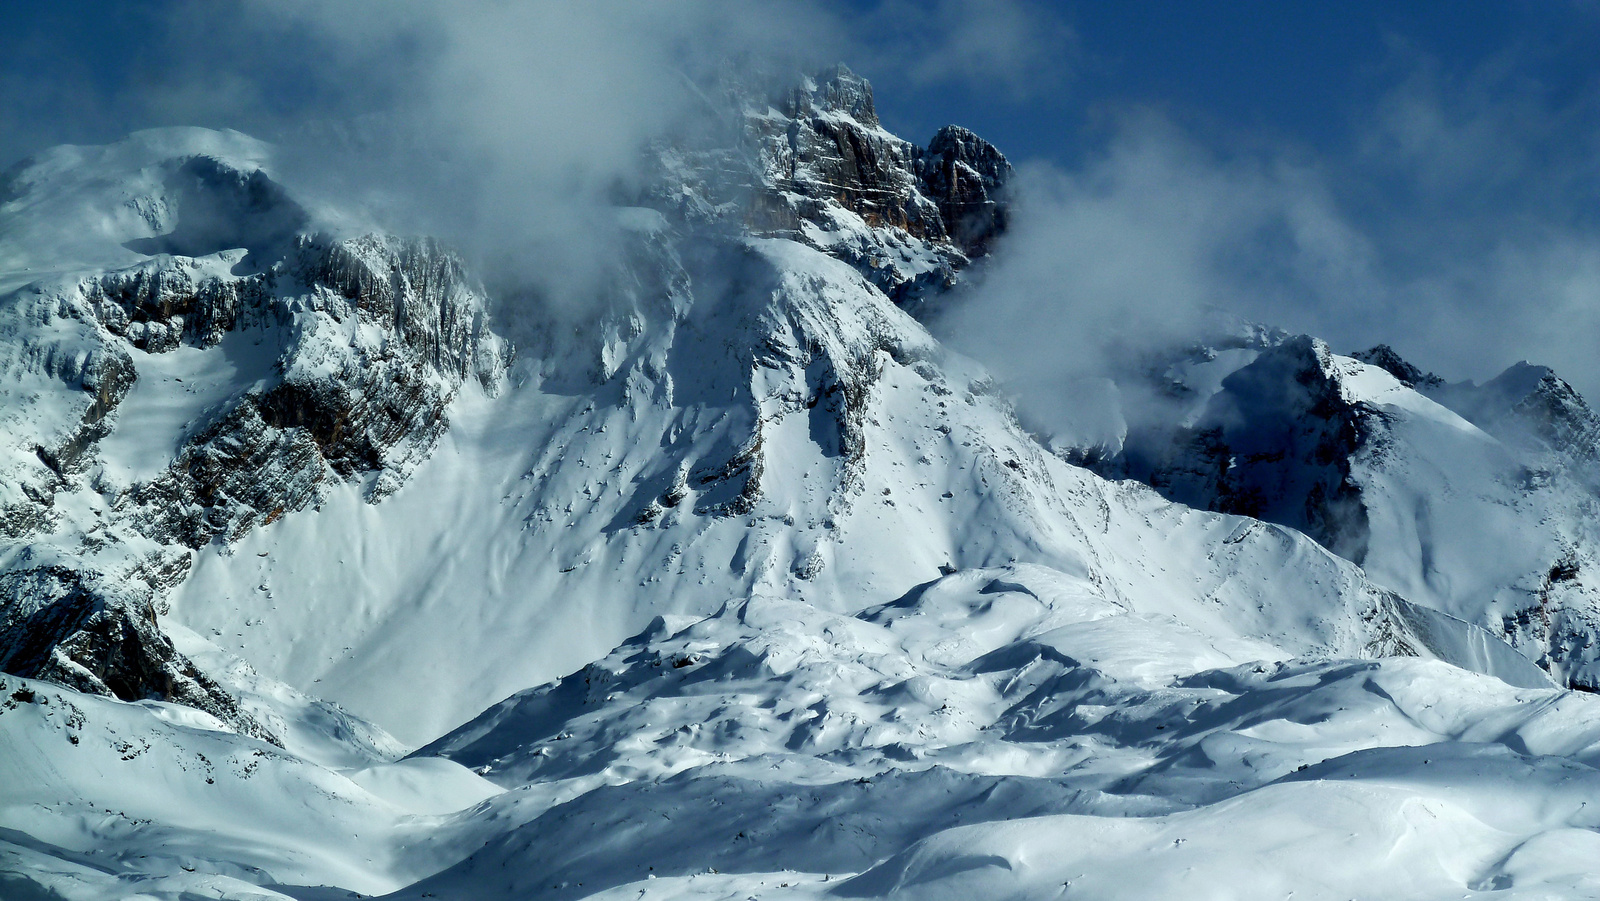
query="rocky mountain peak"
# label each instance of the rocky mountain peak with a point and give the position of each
(810, 161)
(1542, 405)
(1272, 441)
(833, 90)
(966, 176)
(1384, 357)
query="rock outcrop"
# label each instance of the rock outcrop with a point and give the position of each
(810, 161)
(1276, 443)
(359, 345)
(1384, 357)
(966, 176)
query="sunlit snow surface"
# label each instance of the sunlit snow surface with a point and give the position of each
(515, 553)
(945, 664)
(176, 395)
(999, 733)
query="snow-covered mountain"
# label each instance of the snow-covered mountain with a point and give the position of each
(210, 368)
(735, 581)
(1479, 501)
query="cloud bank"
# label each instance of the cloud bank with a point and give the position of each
(1460, 224)
(1459, 221)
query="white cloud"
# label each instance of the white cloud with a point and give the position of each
(1022, 48)
(1463, 227)
(1459, 224)
(1127, 254)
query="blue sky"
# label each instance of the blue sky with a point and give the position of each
(1421, 173)
(1294, 71)
(1301, 71)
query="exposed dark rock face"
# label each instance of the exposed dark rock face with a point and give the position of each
(828, 148)
(157, 309)
(105, 376)
(1378, 475)
(96, 633)
(377, 334)
(1565, 423)
(96, 381)
(343, 407)
(966, 176)
(811, 162)
(1276, 443)
(1384, 357)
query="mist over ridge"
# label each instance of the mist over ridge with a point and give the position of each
(508, 127)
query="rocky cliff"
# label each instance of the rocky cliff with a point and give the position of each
(808, 160)
(310, 359)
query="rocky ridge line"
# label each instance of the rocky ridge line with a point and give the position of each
(811, 162)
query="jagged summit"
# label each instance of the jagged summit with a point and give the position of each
(966, 176)
(808, 160)
(1384, 357)
(1532, 405)
(835, 90)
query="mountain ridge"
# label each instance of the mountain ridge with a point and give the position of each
(732, 580)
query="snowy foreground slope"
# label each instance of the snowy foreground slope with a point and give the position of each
(1001, 733)
(734, 584)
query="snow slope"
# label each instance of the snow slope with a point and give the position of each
(801, 437)
(1478, 502)
(1003, 733)
(104, 799)
(733, 583)
(996, 733)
